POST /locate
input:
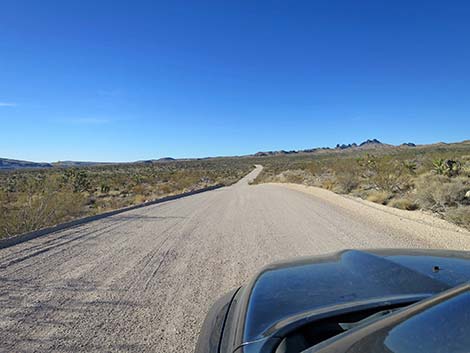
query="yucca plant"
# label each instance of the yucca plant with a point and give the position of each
(439, 166)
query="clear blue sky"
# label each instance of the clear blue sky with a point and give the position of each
(127, 80)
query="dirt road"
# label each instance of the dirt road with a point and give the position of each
(142, 281)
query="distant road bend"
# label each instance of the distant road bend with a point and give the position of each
(142, 281)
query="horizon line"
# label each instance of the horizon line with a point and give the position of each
(221, 156)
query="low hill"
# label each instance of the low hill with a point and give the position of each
(9, 164)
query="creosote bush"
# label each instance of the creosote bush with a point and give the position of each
(43, 203)
(438, 192)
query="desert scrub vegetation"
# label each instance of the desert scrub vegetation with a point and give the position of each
(34, 199)
(434, 178)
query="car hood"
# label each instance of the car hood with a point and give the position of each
(287, 289)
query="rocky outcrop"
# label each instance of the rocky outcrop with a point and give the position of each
(370, 142)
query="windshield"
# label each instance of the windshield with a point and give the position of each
(434, 325)
(443, 328)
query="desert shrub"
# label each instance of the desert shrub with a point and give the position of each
(346, 182)
(328, 184)
(460, 216)
(34, 211)
(138, 199)
(380, 197)
(387, 174)
(438, 192)
(77, 179)
(382, 174)
(410, 166)
(165, 189)
(139, 189)
(295, 176)
(404, 203)
(313, 168)
(466, 169)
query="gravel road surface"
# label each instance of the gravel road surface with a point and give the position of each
(142, 281)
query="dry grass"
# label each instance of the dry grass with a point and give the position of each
(404, 204)
(381, 197)
(460, 216)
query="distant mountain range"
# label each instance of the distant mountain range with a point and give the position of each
(368, 144)
(12, 164)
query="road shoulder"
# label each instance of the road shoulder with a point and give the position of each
(439, 232)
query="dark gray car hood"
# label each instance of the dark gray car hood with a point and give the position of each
(287, 289)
